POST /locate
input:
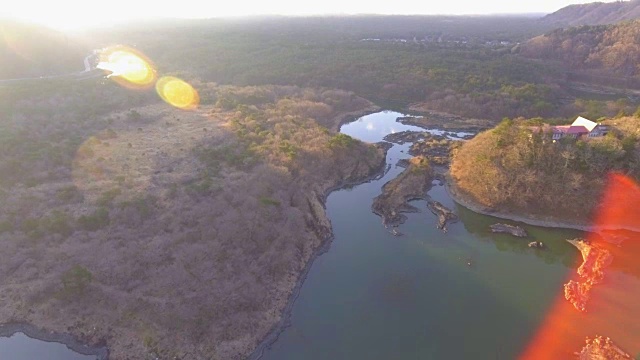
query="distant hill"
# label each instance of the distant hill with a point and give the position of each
(28, 50)
(612, 49)
(597, 13)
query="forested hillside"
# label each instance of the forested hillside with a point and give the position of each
(463, 65)
(611, 48)
(510, 168)
(28, 50)
(596, 13)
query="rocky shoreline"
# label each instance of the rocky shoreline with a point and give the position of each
(412, 184)
(285, 320)
(530, 219)
(9, 329)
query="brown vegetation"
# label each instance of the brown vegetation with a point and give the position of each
(595, 13)
(512, 169)
(167, 232)
(614, 49)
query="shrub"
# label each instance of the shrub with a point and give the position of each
(341, 141)
(269, 201)
(107, 197)
(95, 221)
(76, 280)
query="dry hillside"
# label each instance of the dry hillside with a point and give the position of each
(510, 169)
(614, 49)
(596, 13)
(170, 233)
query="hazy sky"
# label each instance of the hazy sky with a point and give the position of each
(69, 14)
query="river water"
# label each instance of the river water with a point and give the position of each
(21, 347)
(376, 296)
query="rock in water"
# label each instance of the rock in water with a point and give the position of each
(602, 348)
(444, 215)
(536, 244)
(508, 229)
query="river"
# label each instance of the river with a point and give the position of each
(376, 296)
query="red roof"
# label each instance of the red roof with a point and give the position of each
(568, 129)
(577, 130)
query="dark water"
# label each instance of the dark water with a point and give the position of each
(21, 347)
(376, 296)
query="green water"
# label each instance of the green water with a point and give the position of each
(376, 296)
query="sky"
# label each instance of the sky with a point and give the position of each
(76, 14)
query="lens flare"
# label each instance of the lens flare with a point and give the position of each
(177, 92)
(612, 307)
(128, 67)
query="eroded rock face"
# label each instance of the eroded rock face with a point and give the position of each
(601, 348)
(412, 184)
(443, 213)
(594, 259)
(508, 229)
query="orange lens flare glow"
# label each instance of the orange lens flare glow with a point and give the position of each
(177, 92)
(128, 67)
(613, 308)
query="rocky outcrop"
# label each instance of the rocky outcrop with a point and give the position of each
(412, 184)
(601, 348)
(448, 122)
(594, 259)
(508, 229)
(436, 148)
(407, 136)
(536, 245)
(443, 213)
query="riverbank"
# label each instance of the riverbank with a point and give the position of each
(464, 200)
(348, 117)
(285, 318)
(8, 330)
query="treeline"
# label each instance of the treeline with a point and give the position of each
(512, 168)
(472, 75)
(611, 48)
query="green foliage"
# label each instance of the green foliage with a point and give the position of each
(6, 226)
(96, 221)
(76, 280)
(267, 201)
(288, 149)
(58, 223)
(68, 193)
(341, 140)
(637, 113)
(226, 104)
(143, 205)
(108, 196)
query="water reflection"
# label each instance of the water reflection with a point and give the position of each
(376, 296)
